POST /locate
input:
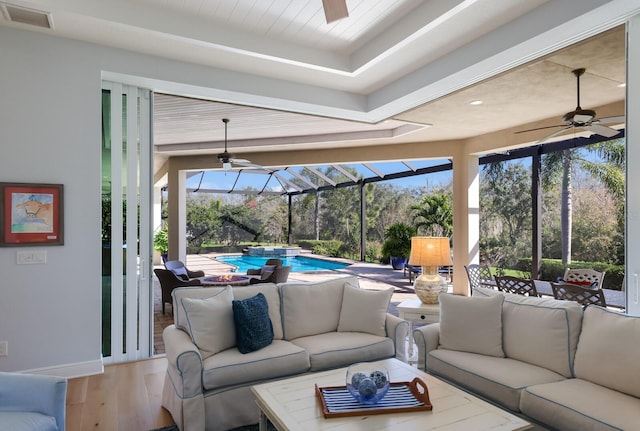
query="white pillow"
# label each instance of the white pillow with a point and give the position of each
(210, 322)
(471, 324)
(364, 310)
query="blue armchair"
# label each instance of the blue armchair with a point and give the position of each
(32, 402)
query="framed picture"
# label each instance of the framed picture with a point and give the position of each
(31, 214)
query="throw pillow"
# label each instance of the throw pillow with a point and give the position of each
(471, 324)
(364, 310)
(210, 322)
(254, 329)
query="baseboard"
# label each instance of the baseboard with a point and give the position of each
(70, 371)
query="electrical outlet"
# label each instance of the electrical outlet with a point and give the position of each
(4, 348)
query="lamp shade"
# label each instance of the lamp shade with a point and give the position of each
(430, 251)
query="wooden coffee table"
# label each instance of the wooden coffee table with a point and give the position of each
(291, 404)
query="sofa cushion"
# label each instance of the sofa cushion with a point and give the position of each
(364, 310)
(471, 324)
(230, 367)
(179, 314)
(499, 379)
(210, 322)
(271, 292)
(340, 349)
(312, 308)
(27, 421)
(575, 404)
(541, 331)
(252, 323)
(609, 349)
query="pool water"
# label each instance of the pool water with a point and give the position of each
(297, 263)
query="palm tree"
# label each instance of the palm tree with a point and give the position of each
(610, 173)
(434, 214)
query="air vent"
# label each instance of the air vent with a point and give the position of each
(27, 16)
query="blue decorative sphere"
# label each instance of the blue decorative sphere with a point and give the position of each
(356, 379)
(367, 388)
(379, 378)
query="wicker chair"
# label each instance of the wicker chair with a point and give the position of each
(583, 295)
(517, 285)
(169, 281)
(279, 275)
(479, 276)
(272, 264)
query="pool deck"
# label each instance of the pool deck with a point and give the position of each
(370, 276)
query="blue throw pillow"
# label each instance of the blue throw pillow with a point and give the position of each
(254, 329)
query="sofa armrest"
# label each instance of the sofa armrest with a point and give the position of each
(184, 362)
(427, 339)
(34, 393)
(398, 330)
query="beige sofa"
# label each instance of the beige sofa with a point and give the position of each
(550, 361)
(315, 326)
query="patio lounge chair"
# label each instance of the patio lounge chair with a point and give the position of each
(181, 271)
(583, 277)
(479, 276)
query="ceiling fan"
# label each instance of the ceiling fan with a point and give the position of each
(581, 118)
(335, 9)
(227, 159)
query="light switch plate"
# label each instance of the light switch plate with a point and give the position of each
(29, 257)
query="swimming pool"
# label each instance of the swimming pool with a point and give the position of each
(297, 263)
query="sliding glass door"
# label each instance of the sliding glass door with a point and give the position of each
(126, 245)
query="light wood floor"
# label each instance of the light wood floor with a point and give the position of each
(127, 397)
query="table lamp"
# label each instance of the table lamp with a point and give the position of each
(430, 253)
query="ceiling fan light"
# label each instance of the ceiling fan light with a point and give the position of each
(226, 166)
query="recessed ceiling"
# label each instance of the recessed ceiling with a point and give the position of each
(379, 75)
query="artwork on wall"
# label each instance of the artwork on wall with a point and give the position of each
(31, 214)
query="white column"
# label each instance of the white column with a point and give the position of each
(633, 174)
(466, 218)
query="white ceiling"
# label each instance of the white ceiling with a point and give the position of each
(289, 80)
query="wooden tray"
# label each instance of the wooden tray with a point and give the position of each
(402, 397)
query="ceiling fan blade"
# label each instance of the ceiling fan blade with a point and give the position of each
(539, 128)
(335, 9)
(554, 134)
(617, 119)
(599, 129)
(246, 163)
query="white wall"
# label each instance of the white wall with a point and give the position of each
(50, 133)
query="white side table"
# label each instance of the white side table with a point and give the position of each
(413, 310)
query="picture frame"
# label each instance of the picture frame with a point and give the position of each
(31, 214)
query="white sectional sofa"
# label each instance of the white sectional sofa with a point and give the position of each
(313, 327)
(547, 360)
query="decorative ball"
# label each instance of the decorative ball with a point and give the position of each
(367, 388)
(379, 378)
(367, 382)
(356, 379)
